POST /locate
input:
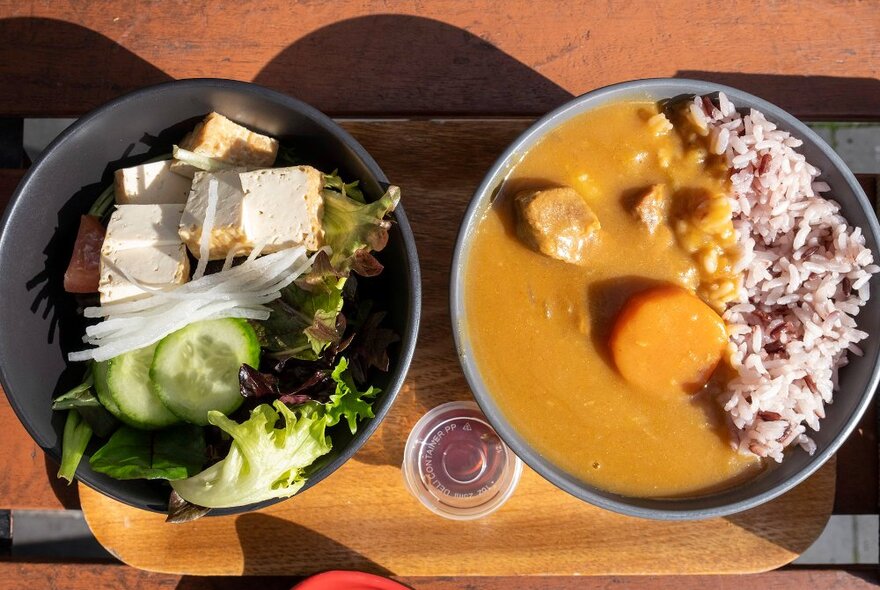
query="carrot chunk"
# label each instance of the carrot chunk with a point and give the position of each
(666, 337)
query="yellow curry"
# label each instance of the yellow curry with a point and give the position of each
(607, 237)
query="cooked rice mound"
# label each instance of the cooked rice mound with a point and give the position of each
(806, 273)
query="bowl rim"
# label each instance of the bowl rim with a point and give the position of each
(413, 272)
(480, 390)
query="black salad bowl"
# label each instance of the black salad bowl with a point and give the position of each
(41, 323)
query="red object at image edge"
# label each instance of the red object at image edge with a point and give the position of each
(346, 580)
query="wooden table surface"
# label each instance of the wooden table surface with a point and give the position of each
(429, 60)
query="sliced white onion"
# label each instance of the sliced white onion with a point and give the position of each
(245, 278)
(257, 250)
(241, 292)
(207, 229)
(230, 256)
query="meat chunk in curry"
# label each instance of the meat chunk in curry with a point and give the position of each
(651, 207)
(556, 222)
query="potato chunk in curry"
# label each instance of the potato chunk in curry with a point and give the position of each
(556, 222)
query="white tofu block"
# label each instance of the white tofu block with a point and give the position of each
(283, 207)
(139, 226)
(227, 231)
(150, 184)
(219, 138)
(152, 266)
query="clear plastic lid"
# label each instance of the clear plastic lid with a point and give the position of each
(456, 464)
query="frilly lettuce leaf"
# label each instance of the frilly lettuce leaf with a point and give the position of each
(334, 182)
(303, 320)
(348, 402)
(266, 459)
(352, 229)
(272, 450)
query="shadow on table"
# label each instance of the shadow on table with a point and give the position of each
(64, 56)
(781, 89)
(267, 540)
(408, 65)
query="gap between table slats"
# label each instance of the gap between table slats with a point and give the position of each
(81, 576)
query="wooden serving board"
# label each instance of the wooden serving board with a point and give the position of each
(362, 516)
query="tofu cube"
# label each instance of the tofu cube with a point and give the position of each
(142, 243)
(152, 266)
(283, 208)
(219, 138)
(148, 184)
(275, 208)
(228, 230)
(139, 226)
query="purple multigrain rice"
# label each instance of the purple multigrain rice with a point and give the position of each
(806, 273)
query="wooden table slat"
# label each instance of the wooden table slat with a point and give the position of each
(28, 481)
(443, 57)
(14, 576)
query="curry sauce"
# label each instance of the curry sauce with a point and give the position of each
(539, 326)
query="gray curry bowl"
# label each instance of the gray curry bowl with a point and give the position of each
(40, 322)
(857, 381)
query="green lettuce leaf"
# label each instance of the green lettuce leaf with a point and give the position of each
(79, 396)
(348, 402)
(334, 182)
(82, 398)
(352, 229)
(303, 320)
(273, 452)
(174, 453)
(77, 434)
(266, 459)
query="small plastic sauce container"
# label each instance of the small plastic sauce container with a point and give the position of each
(456, 464)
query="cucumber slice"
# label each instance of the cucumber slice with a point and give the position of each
(195, 369)
(128, 382)
(99, 371)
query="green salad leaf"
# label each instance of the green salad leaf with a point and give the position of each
(83, 400)
(77, 434)
(303, 320)
(348, 402)
(105, 201)
(80, 396)
(273, 451)
(102, 422)
(174, 453)
(306, 319)
(334, 182)
(266, 460)
(352, 229)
